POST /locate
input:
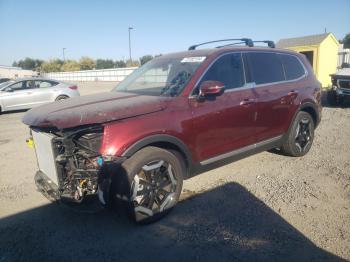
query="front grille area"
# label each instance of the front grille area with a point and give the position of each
(45, 154)
(344, 84)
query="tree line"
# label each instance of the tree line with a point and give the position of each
(84, 63)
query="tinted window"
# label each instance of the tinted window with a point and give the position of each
(264, 68)
(228, 70)
(292, 67)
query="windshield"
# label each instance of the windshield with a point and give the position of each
(4, 84)
(161, 76)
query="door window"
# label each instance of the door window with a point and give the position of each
(264, 68)
(30, 84)
(228, 70)
(43, 84)
(18, 86)
(292, 67)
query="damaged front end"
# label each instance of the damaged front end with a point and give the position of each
(71, 167)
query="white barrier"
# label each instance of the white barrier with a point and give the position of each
(114, 74)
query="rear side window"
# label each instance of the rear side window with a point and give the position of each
(264, 68)
(228, 69)
(43, 84)
(292, 66)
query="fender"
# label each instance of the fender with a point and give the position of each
(303, 106)
(159, 139)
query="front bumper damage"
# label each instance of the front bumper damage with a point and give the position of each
(70, 165)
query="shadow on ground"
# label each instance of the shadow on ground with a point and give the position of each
(225, 224)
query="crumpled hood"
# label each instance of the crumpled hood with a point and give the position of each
(92, 109)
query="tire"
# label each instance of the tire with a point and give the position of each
(300, 136)
(61, 97)
(155, 178)
(332, 98)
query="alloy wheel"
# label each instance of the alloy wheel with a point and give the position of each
(153, 188)
(303, 134)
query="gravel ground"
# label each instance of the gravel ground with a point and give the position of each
(266, 207)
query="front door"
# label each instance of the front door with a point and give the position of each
(227, 122)
(18, 95)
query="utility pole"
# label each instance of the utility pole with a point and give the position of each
(64, 58)
(130, 28)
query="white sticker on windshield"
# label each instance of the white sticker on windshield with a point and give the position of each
(193, 59)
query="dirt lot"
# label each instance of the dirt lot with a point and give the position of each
(266, 207)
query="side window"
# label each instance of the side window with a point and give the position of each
(292, 67)
(228, 70)
(264, 68)
(31, 84)
(18, 86)
(43, 84)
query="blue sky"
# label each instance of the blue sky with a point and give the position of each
(99, 29)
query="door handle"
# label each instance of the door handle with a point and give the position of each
(247, 101)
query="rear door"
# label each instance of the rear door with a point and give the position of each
(43, 92)
(265, 71)
(226, 122)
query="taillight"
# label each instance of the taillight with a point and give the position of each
(73, 87)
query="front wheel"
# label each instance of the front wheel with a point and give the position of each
(155, 178)
(300, 136)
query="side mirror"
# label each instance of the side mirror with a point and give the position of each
(9, 89)
(211, 88)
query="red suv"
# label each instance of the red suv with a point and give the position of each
(174, 117)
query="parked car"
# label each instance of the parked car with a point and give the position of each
(174, 117)
(31, 92)
(340, 87)
(5, 79)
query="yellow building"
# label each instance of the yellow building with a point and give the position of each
(320, 50)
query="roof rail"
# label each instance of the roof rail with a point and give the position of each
(246, 41)
(269, 43)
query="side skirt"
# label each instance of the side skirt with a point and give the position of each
(237, 154)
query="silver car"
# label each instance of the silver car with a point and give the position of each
(26, 93)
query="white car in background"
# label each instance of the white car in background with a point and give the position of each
(26, 93)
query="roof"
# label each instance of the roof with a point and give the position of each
(302, 41)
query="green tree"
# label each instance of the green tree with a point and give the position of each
(346, 41)
(104, 63)
(15, 64)
(86, 63)
(53, 65)
(38, 63)
(70, 65)
(27, 63)
(119, 64)
(132, 63)
(145, 59)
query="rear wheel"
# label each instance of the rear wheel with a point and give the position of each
(300, 136)
(155, 178)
